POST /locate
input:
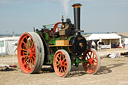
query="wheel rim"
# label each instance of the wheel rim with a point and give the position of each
(93, 61)
(61, 64)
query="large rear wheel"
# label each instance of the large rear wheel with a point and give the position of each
(62, 63)
(30, 52)
(93, 64)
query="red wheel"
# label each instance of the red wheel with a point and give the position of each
(30, 52)
(62, 63)
(93, 61)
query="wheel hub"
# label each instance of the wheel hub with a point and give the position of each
(61, 63)
(29, 53)
(90, 61)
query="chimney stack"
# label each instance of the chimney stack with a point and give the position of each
(77, 17)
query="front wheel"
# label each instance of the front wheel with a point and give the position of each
(93, 64)
(62, 63)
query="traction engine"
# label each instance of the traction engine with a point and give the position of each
(60, 46)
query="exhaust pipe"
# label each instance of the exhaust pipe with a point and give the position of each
(77, 18)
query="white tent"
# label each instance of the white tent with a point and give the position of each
(125, 40)
(108, 39)
(103, 36)
(8, 45)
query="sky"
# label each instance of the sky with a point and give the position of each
(96, 15)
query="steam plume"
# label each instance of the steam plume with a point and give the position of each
(65, 4)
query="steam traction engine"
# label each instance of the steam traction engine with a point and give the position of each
(61, 46)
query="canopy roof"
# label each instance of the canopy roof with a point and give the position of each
(103, 36)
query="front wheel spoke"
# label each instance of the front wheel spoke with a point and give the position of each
(64, 60)
(57, 63)
(63, 65)
(62, 57)
(65, 68)
(57, 66)
(58, 59)
(66, 64)
(61, 70)
(27, 67)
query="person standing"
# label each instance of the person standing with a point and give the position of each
(93, 45)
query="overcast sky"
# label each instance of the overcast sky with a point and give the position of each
(96, 15)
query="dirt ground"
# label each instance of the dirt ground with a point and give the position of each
(113, 71)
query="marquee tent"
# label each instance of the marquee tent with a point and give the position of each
(107, 39)
(8, 45)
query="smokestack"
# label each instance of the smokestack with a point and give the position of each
(77, 17)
